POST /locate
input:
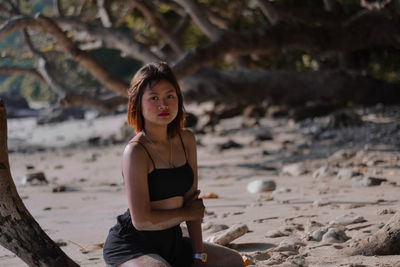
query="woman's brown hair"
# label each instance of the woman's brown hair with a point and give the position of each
(146, 76)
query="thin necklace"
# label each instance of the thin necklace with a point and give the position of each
(169, 163)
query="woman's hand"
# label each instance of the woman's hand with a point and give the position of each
(194, 206)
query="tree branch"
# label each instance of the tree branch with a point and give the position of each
(152, 19)
(104, 13)
(82, 57)
(248, 86)
(16, 23)
(59, 8)
(103, 104)
(67, 98)
(217, 19)
(128, 10)
(44, 68)
(23, 71)
(200, 18)
(269, 11)
(44, 24)
(111, 38)
(360, 32)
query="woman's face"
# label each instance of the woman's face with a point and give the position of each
(159, 103)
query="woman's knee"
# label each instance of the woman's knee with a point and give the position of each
(150, 260)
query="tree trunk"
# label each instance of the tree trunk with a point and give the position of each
(288, 87)
(19, 232)
(384, 242)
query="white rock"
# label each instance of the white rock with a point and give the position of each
(334, 235)
(295, 169)
(347, 219)
(317, 235)
(261, 185)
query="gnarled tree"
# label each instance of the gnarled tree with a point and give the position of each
(19, 232)
(283, 48)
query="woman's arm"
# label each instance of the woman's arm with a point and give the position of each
(194, 225)
(135, 165)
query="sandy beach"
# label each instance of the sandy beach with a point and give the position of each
(320, 176)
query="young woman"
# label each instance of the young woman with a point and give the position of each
(159, 166)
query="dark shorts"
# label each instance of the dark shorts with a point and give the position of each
(124, 242)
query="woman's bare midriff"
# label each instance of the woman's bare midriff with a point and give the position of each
(167, 204)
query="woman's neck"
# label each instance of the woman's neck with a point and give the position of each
(156, 134)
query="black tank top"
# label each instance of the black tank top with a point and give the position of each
(169, 182)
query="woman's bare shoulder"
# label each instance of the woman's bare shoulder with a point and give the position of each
(135, 148)
(188, 137)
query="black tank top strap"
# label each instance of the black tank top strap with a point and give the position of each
(183, 146)
(147, 152)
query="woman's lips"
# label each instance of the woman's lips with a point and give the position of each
(163, 114)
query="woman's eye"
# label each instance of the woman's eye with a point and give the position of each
(170, 96)
(154, 98)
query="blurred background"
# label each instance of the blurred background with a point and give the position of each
(295, 107)
(63, 59)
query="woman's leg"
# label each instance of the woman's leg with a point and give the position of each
(149, 260)
(220, 256)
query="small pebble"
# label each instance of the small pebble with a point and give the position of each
(261, 185)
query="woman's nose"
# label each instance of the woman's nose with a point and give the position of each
(162, 105)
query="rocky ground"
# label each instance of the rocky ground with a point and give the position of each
(296, 193)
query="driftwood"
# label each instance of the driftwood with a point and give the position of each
(386, 241)
(225, 237)
(19, 232)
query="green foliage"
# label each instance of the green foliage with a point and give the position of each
(11, 83)
(193, 37)
(27, 86)
(33, 90)
(39, 6)
(384, 64)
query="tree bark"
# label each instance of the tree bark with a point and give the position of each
(288, 87)
(111, 37)
(19, 232)
(104, 13)
(200, 18)
(269, 11)
(386, 241)
(23, 71)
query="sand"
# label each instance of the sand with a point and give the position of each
(82, 215)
